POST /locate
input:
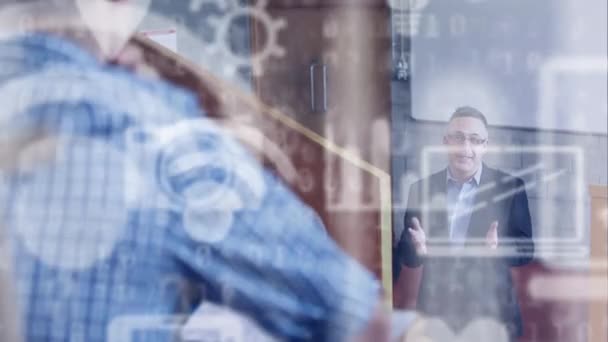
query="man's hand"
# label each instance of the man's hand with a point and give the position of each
(492, 236)
(418, 237)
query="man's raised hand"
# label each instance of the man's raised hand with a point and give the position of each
(492, 235)
(418, 237)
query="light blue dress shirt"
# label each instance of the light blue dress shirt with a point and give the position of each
(460, 203)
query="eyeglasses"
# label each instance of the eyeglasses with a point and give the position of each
(460, 139)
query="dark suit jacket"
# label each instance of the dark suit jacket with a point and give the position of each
(461, 288)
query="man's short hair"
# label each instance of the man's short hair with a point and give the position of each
(469, 112)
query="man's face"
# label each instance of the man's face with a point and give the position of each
(467, 141)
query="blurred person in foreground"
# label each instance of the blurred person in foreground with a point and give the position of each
(131, 204)
(468, 225)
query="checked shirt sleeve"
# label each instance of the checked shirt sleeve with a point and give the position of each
(272, 254)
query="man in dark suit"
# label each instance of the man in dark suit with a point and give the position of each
(467, 225)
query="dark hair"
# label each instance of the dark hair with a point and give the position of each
(469, 112)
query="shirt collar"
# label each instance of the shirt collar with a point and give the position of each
(476, 176)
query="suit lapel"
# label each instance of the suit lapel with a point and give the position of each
(438, 215)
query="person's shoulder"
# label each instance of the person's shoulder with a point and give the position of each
(439, 176)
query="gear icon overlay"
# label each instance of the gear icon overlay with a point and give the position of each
(220, 47)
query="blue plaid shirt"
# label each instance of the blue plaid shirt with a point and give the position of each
(133, 206)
